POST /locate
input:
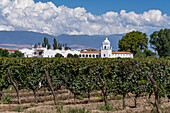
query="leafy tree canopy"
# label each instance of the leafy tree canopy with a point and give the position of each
(160, 42)
(70, 56)
(92, 49)
(4, 53)
(17, 54)
(134, 42)
(58, 55)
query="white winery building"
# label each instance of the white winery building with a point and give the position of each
(105, 52)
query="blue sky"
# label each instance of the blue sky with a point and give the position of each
(84, 17)
(99, 7)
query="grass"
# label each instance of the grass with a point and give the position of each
(78, 110)
(6, 98)
(164, 110)
(108, 107)
(32, 104)
(59, 107)
(100, 97)
(33, 111)
(19, 108)
(119, 97)
(80, 97)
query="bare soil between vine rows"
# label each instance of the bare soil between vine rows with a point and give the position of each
(46, 105)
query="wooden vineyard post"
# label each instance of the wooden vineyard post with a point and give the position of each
(155, 89)
(50, 84)
(104, 90)
(15, 86)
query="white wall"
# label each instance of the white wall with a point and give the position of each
(122, 55)
(87, 55)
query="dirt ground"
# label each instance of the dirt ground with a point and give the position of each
(46, 105)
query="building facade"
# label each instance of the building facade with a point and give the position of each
(106, 52)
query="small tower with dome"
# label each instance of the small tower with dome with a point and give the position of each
(106, 50)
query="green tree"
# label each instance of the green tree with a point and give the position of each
(66, 47)
(140, 54)
(55, 44)
(160, 42)
(76, 56)
(17, 54)
(59, 46)
(45, 43)
(70, 56)
(4, 53)
(149, 53)
(39, 44)
(58, 55)
(35, 46)
(133, 42)
(48, 46)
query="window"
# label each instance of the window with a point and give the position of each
(86, 55)
(104, 55)
(80, 55)
(93, 56)
(104, 47)
(40, 53)
(90, 56)
(83, 55)
(97, 56)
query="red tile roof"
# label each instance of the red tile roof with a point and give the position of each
(90, 51)
(114, 52)
(121, 52)
(40, 49)
(9, 49)
(12, 49)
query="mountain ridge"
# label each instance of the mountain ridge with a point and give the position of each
(12, 39)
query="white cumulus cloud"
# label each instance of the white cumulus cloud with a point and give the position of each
(47, 18)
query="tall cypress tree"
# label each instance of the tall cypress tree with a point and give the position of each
(55, 44)
(45, 42)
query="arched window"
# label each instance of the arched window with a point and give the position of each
(86, 55)
(104, 47)
(83, 55)
(104, 55)
(97, 56)
(80, 55)
(90, 56)
(93, 56)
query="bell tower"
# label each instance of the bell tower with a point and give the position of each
(106, 50)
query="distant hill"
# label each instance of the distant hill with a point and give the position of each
(74, 41)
